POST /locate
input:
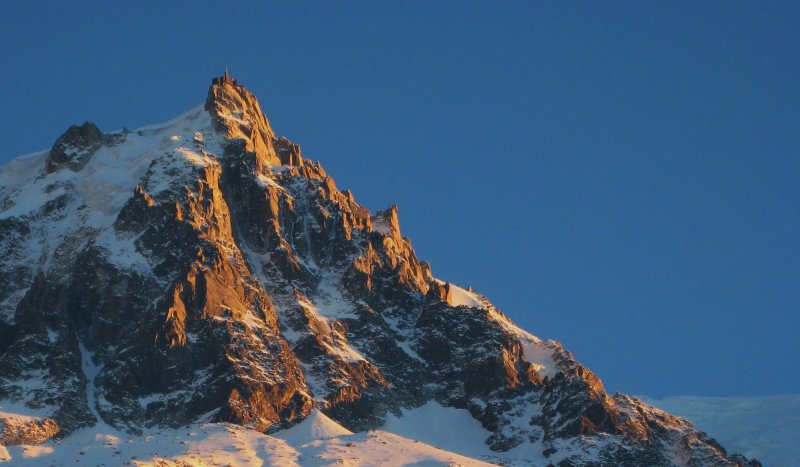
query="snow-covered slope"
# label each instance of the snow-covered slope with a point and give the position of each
(317, 426)
(457, 431)
(315, 441)
(766, 428)
(762, 427)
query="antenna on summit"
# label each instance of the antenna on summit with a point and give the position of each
(225, 79)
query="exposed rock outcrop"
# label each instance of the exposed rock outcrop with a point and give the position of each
(26, 430)
(75, 147)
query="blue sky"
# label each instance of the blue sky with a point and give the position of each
(618, 176)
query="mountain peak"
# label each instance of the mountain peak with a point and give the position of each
(202, 270)
(237, 114)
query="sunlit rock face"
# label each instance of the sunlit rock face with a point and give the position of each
(204, 270)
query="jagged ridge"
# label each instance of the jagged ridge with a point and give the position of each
(204, 270)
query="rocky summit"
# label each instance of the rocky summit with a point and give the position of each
(204, 270)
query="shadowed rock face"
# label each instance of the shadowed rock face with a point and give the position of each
(75, 147)
(221, 276)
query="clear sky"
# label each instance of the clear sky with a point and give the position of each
(619, 176)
